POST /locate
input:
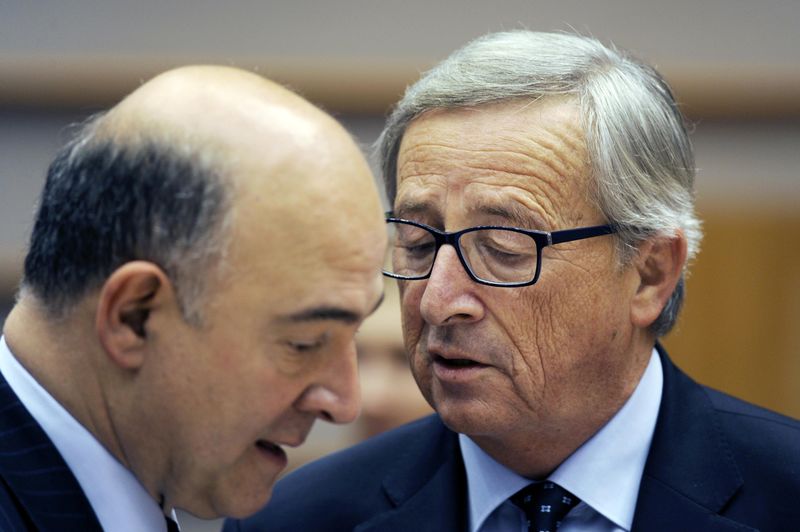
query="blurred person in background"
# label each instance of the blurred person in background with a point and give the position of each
(389, 395)
(201, 258)
(543, 218)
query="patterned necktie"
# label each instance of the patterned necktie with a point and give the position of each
(545, 504)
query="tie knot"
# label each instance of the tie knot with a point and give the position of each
(545, 504)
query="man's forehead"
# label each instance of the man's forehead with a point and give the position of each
(526, 201)
(481, 208)
(527, 169)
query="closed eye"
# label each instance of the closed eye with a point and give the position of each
(420, 250)
(307, 346)
(506, 257)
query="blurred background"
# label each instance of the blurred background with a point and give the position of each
(734, 65)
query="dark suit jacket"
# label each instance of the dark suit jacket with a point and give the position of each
(716, 464)
(37, 489)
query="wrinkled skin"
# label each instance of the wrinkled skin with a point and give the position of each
(558, 358)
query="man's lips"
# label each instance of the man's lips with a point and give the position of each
(456, 370)
(455, 358)
(272, 450)
(452, 366)
(456, 363)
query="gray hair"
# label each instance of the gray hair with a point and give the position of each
(640, 154)
(106, 202)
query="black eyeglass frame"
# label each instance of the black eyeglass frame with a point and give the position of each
(541, 238)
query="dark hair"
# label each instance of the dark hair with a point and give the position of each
(105, 204)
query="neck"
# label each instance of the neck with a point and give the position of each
(63, 358)
(535, 455)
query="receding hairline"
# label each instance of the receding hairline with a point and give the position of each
(209, 106)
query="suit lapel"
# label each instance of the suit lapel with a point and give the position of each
(690, 474)
(35, 472)
(427, 487)
(689, 477)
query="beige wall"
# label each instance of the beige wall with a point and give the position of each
(740, 329)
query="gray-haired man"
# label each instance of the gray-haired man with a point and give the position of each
(543, 216)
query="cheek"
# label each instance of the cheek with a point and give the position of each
(412, 323)
(549, 323)
(242, 385)
(244, 412)
(536, 319)
(563, 322)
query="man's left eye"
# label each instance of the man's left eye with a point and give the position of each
(305, 346)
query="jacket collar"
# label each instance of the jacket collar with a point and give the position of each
(36, 473)
(689, 477)
(426, 485)
(690, 474)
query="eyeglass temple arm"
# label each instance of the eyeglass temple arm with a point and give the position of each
(570, 235)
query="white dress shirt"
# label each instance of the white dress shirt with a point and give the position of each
(118, 499)
(605, 472)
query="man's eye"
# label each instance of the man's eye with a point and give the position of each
(505, 256)
(420, 250)
(303, 346)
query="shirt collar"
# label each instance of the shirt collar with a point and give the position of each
(605, 472)
(489, 484)
(117, 498)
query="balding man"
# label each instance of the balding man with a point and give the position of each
(201, 258)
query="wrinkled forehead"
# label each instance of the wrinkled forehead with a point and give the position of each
(519, 163)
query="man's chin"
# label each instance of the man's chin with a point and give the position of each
(237, 503)
(242, 508)
(466, 417)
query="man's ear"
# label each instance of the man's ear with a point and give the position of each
(659, 265)
(127, 299)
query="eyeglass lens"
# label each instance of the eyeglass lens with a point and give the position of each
(496, 255)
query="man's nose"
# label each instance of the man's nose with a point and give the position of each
(335, 395)
(449, 293)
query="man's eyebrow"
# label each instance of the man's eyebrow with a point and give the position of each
(323, 314)
(408, 209)
(517, 215)
(328, 313)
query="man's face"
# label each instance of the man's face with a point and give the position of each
(275, 351)
(507, 364)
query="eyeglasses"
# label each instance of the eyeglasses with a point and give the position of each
(491, 255)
